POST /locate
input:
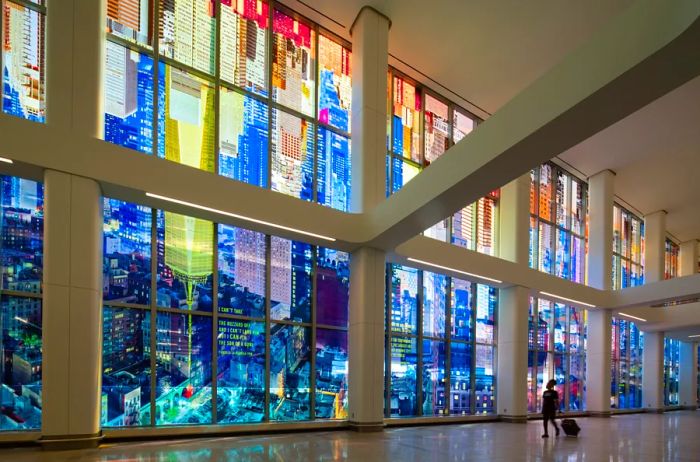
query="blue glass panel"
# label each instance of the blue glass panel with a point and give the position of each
(434, 300)
(402, 172)
(404, 299)
(403, 396)
(240, 385)
(434, 353)
(460, 378)
(484, 379)
(290, 372)
(183, 368)
(333, 176)
(243, 138)
(563, 255)
(291, 285)
(242, 272)
(128, 98)
(560, 377)
(332, 287)
(335, 84)
(486, 306)
(21, 355)
(560, 329)
(461, 309)
(292, 155)
(126, 252)
(578, 257)
(22, 226)
(577, 376)
(331, 374)
(126, 367)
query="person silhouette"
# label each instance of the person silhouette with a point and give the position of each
(550, 404)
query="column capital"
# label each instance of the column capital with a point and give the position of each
(373, 10)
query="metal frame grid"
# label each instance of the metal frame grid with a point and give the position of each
(537, 221)
(622, 248)
(154, 309)
(622, 328)
(153, 51)
(419, 337)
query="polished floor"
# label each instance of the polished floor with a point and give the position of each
(674, 436)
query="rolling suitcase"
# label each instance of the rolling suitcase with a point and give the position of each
(570, 427)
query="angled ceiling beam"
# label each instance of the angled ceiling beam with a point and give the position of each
(647, 51)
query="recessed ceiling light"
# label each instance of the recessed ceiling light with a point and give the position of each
(693, 336)
(633, 317)
(6, 160)
(568, 299)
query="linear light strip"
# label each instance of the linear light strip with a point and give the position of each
(240, 217)
(447, 268)
(630, 316)
(568, 299)
(693, 336)
(6, 160)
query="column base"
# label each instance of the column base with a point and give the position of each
(513, 418)
(68, 442)
(604, 414)
(367, 427)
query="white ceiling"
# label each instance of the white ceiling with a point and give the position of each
(488, 51)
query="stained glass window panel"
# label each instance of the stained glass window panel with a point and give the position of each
(242, 271)
(22, 225)
(291, 285)
(577, 374)
(293, 63)
(546, 253)
(404, 299)
(486, 306)
(21, 350)
(462, 125)
(243, 138)
(434, 300)
(546, 193)
(332, 287)
(292, 155)
(331, 374)
(563, 254)
(290, 372)
(334, 85)
(126, 367)
(485, 226)
(333, 178)
(187, 32)
(185, 118)
(23, 56)
(128, 98)
(183, 369)
(484, 379)
(461, 309)
(434, 353)
(406, 119)
(185, 266)
(563, 199)
(578, 258)
(402, 172)
(460, 378)
(240, 386)
(131, 20)
(403, 398)
(243, 41)
(436, 128)
(560, 327)
(126, 252)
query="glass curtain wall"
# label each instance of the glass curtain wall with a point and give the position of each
(628, 249)
(207, 323)
(558, 223)
(423, 125)
(246, 89)
(440, 345)
(557, 350)
(21, 253)
(22, 60)
(626, 368)
(672, 352)
(671, 254)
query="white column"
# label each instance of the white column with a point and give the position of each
(600, 229)
(598, 357)
(653, 371)
(75, 65)
(688, 264)
(688, 377)
(654, 246)
(72, 339)
(370, 41)
(514, 220)
(511, 392)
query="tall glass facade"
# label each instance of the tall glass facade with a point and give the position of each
(246, 89)
(23, 45)
(440, 345)
(213, 324)
(557, 350)
(672, 352)
(628, 249)
(672, 251)
(21, 253)
(558, 223)
(626, 367)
